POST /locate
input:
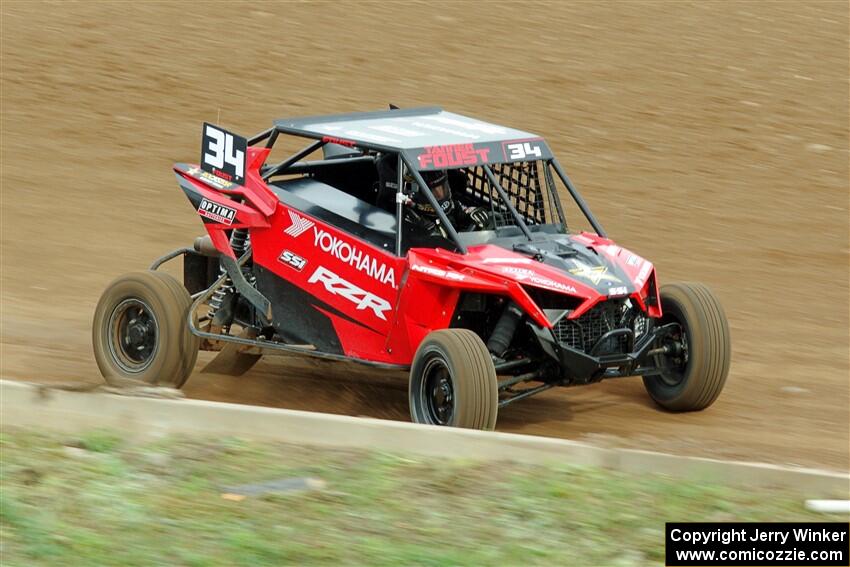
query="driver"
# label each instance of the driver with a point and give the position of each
(421, 212)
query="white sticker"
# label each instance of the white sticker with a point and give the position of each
(354, 257)
(338, 286)
(299, 225)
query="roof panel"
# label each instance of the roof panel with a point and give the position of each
(404, 129)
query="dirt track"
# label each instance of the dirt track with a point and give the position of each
(711, 138)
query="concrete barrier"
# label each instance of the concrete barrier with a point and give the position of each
(35, 406)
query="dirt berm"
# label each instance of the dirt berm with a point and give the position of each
(711, 138)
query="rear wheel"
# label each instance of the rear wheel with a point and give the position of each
(140, 332)
(453, 381)
(695, 366)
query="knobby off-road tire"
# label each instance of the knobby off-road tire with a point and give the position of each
(140, 332)
(453, 381)
(696, 380)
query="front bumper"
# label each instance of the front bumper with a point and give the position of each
(637, 358)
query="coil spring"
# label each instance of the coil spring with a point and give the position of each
(240, 241)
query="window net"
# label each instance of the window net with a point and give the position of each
(528, 185)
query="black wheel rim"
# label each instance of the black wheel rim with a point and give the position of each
(674, 364)
(133, 335)
(438, 392)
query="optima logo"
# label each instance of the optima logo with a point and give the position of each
(214, 211)
(354, 257)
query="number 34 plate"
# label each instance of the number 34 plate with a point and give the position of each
(223, 154)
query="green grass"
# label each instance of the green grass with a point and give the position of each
(96, 500)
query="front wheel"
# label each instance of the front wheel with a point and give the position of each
(696, 362)
(453, 381)
(140, 332)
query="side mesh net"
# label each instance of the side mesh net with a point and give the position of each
(528, 190)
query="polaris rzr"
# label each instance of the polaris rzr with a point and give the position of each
(327, 254)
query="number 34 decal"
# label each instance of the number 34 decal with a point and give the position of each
(522, 150)
(223, 153)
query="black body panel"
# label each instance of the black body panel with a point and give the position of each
(338, 209)
(199, 272)
(294, 315)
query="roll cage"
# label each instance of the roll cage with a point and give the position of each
(523, 158)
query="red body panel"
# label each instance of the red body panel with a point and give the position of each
(333, 257)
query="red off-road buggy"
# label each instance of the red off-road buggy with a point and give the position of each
(323, 257)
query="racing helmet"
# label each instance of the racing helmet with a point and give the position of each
(438, 183)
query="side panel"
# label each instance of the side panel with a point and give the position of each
(296, 317)
(219, 213)
(423, 307)
(430, 292)
(323, 281)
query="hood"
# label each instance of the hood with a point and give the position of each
(565, 273)
(585, 266)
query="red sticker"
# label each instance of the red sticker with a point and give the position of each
(453, 155)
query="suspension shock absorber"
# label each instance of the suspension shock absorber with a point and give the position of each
(505, 328)
(240, 240)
